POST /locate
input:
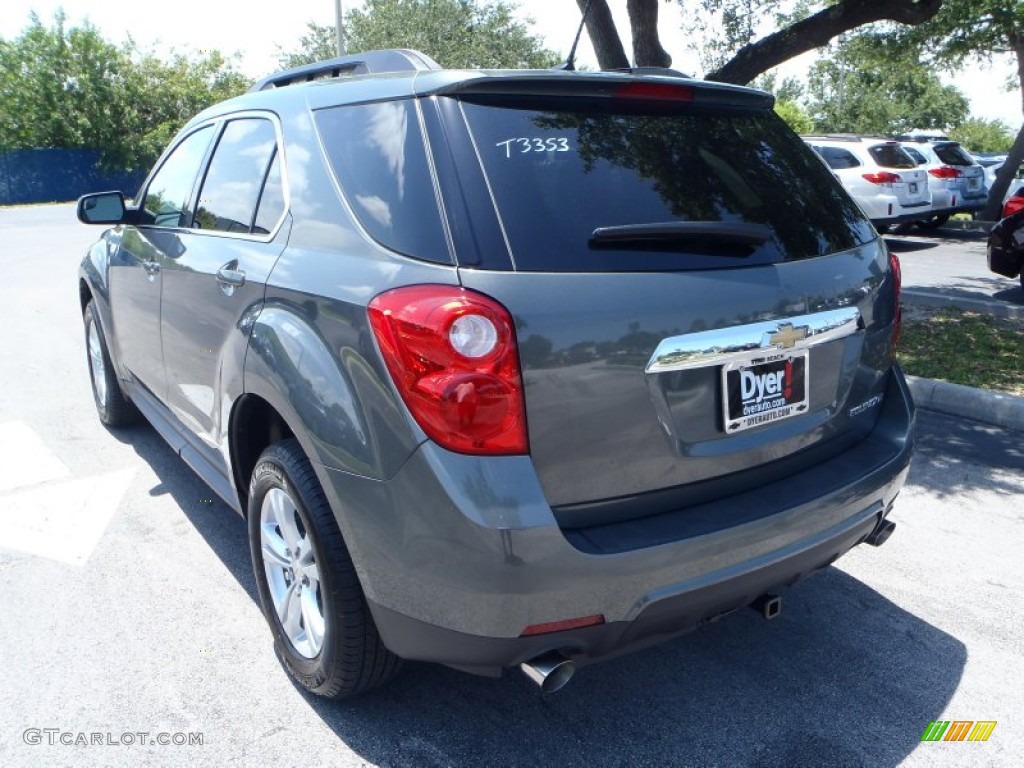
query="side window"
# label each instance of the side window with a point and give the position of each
(918, 157)
(271, 204)
(166, 201)
(231, 189)
(379, 159)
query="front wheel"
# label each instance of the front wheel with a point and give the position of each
(323, 632)
(112, 406)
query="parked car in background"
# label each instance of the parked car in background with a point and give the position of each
(1006, 247)
(990, 162)
(956, 180)
(506, 368)
(880, 176)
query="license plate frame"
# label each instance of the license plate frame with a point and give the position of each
(913, 187)
(767, 400)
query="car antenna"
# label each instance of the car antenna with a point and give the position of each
(569, 65)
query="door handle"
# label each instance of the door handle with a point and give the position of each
(233, 277)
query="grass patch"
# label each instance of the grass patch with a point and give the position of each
(964, 348)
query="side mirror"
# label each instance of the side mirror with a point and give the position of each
(102, 208)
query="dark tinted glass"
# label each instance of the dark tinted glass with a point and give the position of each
(167, 196)
(271, 201)
(952, 154)
(227, 200)
(918, 157)
(378, 156)
(838, 158)
(556, 176)
(891, 156)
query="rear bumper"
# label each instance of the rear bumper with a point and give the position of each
(458, 554)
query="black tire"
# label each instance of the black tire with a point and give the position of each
(351, 658)
(933, 222)
(112, 405)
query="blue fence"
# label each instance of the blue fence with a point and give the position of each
(58, 175)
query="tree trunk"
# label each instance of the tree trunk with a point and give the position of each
(604, 36)
(815, 31)
(643, 24)
(994, 208)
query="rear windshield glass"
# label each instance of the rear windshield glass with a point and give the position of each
(891, 156)
(953, 154)
(556, 176)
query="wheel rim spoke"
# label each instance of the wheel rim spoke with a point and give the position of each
(99, 378)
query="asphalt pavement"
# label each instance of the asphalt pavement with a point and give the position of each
(129, 612)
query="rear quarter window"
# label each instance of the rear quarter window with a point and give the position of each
(838, 158)
(377, 154)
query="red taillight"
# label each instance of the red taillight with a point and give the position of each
(1014, 204)
(559, 626)
(945, 172)
(452, 355)
(882, 177)
(897, 283)
(654, 92)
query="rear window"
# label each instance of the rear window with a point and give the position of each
(556, 176)
(891, 156)
(953, 154)
(837, 158)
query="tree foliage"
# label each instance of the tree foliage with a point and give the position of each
(459, 34)
(69, 87)
(981, 135)
(873, 83)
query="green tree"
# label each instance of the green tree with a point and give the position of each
(980, 30)
(980, 135)
(873, 83)
(794, 115)
(69, 87)
(457, 33)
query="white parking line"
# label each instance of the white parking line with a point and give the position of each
(25, 459)
(62, 520)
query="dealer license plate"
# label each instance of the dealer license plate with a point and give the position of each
(764, 389)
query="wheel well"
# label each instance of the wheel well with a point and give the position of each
(254, 426)
(84, 294)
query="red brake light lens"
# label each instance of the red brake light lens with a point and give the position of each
(654, 92)
(882, 177)
(945, 172)
(453, 356)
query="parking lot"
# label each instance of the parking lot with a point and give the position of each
(129, 606)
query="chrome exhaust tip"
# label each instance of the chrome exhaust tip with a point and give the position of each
(551, 671)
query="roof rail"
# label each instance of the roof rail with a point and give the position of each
(368, 62)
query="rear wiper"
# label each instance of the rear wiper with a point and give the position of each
(732, 238)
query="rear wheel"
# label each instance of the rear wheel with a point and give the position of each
(112, 406)
(933, 222)
(310, 594)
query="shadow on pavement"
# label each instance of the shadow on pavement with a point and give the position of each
(843, 677)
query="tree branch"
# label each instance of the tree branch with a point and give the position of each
(816, 31)
(643, 24)
(604, 36)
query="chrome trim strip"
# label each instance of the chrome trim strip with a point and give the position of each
(740, 342)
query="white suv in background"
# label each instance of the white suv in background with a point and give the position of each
(879, 174)
(956, 179)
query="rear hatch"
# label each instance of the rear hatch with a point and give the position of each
(971, 182)
(909, 182)
(699, 305)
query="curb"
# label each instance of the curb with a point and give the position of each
(995, 408)
(928, 299)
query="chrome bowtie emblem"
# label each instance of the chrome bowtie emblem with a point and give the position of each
(787, 335)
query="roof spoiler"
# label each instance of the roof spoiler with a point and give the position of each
(369, 62)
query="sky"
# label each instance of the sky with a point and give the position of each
(196, 25)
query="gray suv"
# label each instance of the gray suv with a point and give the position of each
(504, 368)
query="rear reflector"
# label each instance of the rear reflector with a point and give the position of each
(897, 280)
(559, 626)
